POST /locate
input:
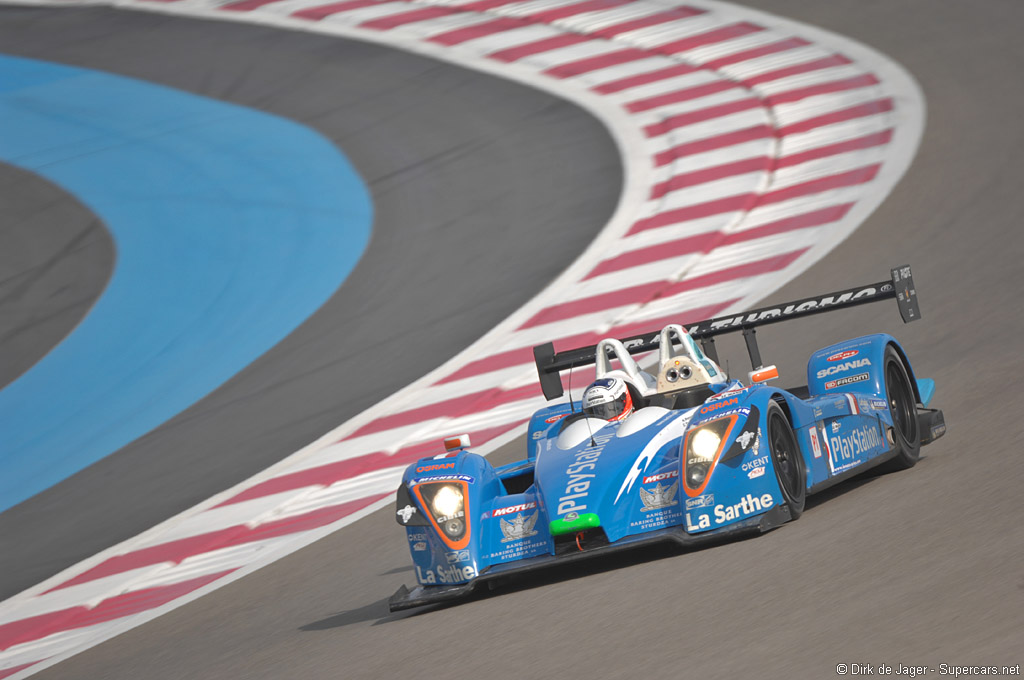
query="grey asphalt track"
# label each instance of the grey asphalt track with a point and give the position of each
(55, 259)
(484, 191)
(919, 567)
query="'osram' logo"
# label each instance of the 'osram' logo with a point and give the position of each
(718, 405)
(843, 367)
(436, 466)
(843, 355)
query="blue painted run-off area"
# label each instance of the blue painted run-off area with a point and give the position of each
(231, 228)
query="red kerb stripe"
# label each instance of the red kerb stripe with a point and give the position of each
(119, 606)
(757, 52)
(645, 78)
(546, 45)
(866, 80)
(246, 5)
(701, 115)
(858, 144)
(711, 37)
(684, 95)
(818, 64)
(461, 35)
(575, 68)
(650, 20)
(552, 15)
(712, 143)
(323, 11)
(738, 203)
(873, 108)
(411, 17)
(689, 179)
(702, 243)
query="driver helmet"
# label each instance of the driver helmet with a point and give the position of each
(608, 399)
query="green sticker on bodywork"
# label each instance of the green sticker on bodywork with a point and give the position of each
(567, 526)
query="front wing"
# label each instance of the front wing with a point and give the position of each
(404, 598)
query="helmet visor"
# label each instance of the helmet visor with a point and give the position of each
(608, 409)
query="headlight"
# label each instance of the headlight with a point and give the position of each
(703, 445)
(447, 502)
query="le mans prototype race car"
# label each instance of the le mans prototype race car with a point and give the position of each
(701, 458)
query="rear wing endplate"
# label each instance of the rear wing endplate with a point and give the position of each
(900, 286)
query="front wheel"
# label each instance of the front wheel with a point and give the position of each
(787, 460)
(903, 408)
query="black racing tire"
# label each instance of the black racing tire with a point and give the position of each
(787, 460)
(906, 433)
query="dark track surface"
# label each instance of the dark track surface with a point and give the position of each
(920, 567)
(55, 259)
(484, 191)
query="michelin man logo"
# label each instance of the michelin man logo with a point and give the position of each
(406, 513)
(745, 439)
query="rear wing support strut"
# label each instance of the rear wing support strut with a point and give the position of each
(899, 286)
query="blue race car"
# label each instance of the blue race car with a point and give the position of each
(698, 457)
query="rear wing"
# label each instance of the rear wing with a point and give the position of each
(900, 286)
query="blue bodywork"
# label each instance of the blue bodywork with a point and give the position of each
(589, 482)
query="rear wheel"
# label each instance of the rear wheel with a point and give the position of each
(903, 408)
(787, 461)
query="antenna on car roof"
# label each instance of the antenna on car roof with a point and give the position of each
(572, 411)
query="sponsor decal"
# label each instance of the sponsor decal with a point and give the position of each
(436, 466)
(815, 444)
(836, 426)
(579, 478)
(443, 478)
(417, 536)
(674, 429)
(658, 497)
(755, 473)
(519, 527)
(851, 449)
(572, 517)
(449, 574)
(718, 405)
(458, 556)
(406, 513)
(705, 501)
(637, 342)
(843, 355)
(756, 463)
(522, 507)
(844, 367)
(419, 546)
(745, 439)
(748, 505)
(849, 380)
(938, 430)
(518, 550)
(727, 393)
(651, 479)
(879, 404)
(555, 419)
(788, 310)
